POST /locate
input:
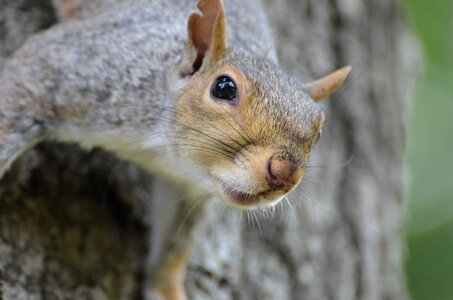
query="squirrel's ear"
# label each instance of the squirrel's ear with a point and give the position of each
(206, 35)
(325, 86)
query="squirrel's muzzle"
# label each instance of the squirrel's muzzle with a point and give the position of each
(261, 176)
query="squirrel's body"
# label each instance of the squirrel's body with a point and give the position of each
(168, 94)
(107, 81)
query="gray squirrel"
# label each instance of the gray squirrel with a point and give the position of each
(160, 85)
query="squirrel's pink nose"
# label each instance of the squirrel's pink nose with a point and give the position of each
(281, 174)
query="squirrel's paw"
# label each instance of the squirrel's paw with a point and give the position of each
(168, 281)
(169, 291)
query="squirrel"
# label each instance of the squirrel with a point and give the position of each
(158, 84)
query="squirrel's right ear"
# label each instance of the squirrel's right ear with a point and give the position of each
(206, 36)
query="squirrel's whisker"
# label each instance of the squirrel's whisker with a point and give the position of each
(187, 196)
(254, 214)
(268, 50)
(199, 131)
(345, 87)
(212, 152)
(232, 149)
(212, 126)
(248, 141)
(197, 203)
(226, 154)
(341, 165)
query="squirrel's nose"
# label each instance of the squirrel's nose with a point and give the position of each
(282, 174)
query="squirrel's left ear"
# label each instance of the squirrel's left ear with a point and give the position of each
(325, 86)
(206, 36)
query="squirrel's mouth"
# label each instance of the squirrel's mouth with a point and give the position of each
(248, 200)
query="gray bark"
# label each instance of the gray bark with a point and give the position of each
(19, 19)
(73, 224)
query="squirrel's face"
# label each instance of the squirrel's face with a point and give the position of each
(251, 126)
(247, 123)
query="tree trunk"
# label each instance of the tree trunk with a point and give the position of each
(73, 225)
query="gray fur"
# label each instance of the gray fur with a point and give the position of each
(108, 72)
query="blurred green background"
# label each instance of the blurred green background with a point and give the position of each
(429, 197)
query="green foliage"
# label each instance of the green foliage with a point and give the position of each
(429, 270)
(430, 156)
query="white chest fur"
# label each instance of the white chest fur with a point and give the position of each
(153, 152)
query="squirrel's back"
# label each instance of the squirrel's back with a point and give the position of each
(112, 58)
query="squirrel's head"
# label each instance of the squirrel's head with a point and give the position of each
(241, 118)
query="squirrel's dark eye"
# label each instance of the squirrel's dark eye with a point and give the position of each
(318, 136)
(224, 88)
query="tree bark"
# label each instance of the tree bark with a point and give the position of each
(74, 224)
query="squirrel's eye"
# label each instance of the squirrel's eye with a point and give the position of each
(224, 88)
(318, 136)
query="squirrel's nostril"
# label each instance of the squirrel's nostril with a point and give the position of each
(279, 173)
(269, 170)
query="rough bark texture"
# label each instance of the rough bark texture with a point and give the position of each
(73, 225)
(19, 19)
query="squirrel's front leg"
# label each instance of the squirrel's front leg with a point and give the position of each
(24, 117)
(169, 280)
(177, 218)
(16, 136)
